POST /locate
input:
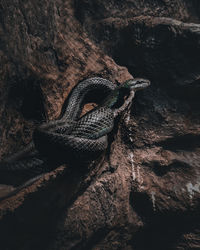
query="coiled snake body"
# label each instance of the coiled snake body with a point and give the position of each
(73, 136)
(87, 136)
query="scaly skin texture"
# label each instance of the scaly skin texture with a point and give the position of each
(29, 162)
(72, 137)
(71, 112)
(87, 137)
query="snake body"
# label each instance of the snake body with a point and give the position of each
(72, 136)
(70, 113)
(75, 136)
(87, 137)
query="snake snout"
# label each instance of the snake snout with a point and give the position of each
(139, 83)
(136, 84)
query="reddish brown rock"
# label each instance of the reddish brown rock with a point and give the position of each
(144, 192)
(47, 55)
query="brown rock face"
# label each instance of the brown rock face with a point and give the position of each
(144, 192)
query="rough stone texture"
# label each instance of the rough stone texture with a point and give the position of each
(144, 192)
(47, 55)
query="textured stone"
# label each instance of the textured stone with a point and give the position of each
(144, 192)
(47, 55)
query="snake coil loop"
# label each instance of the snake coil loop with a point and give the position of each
(72, 136)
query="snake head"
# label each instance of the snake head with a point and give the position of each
(136, 84)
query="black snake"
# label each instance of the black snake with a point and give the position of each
(72, 136)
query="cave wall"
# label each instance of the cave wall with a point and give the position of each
(44, 53)
(143, 193)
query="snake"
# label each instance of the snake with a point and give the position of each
(88, 135)
(73, 136)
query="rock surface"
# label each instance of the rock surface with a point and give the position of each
(144, 192)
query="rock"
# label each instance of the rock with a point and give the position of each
(144, 192)
(163, 49)
(48, 54)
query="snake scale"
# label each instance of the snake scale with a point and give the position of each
(71, 136)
